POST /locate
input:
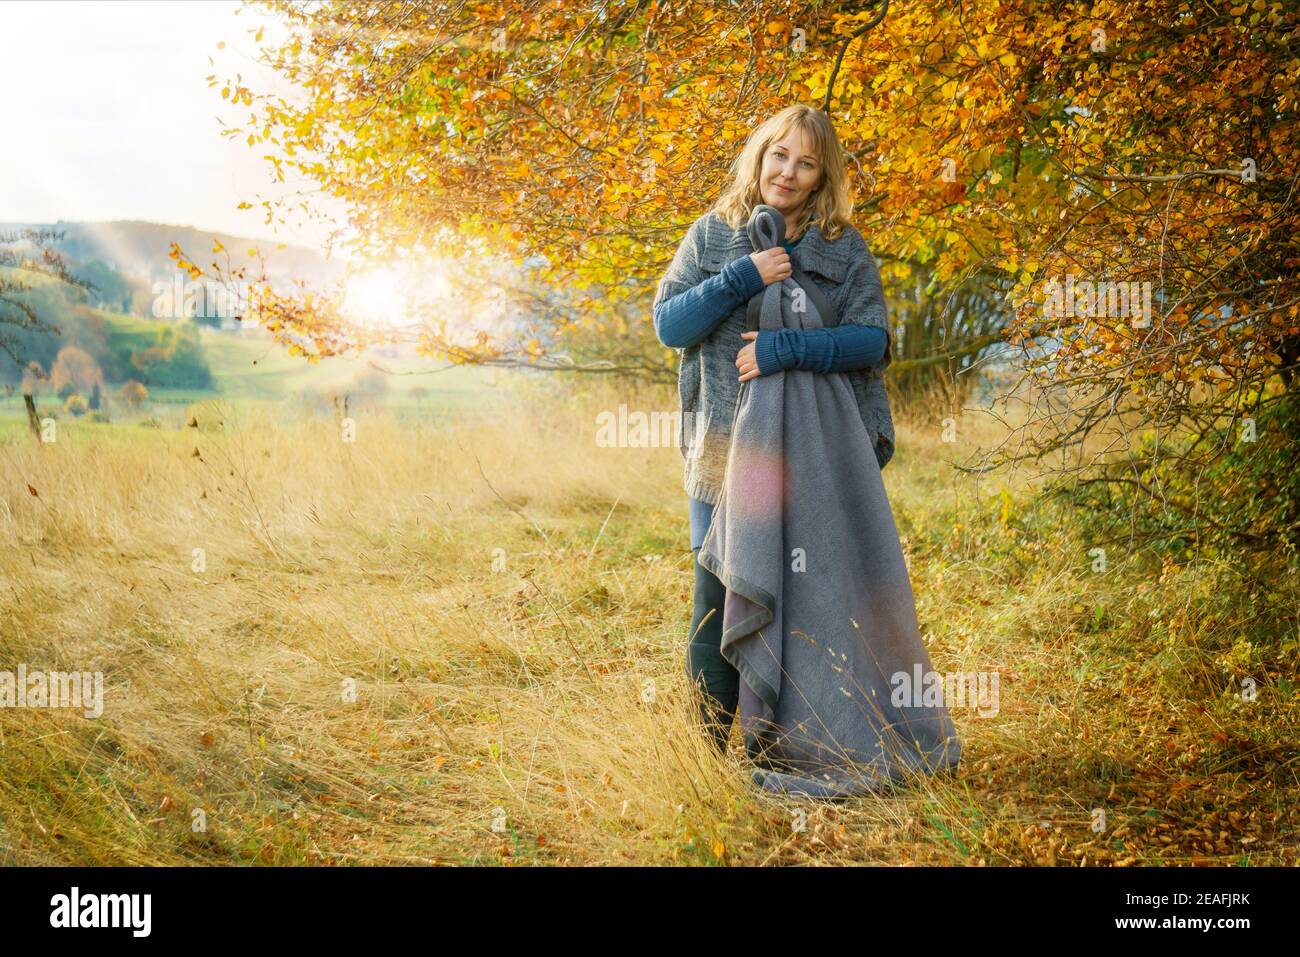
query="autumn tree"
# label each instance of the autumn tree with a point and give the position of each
(34, 379)
(75, 368)
(1104, 191)
(25, 259)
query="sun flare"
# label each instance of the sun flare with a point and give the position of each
(376, 299)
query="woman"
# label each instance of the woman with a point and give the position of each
(792, 169)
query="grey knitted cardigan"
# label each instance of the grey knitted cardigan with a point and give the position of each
(707, 379)
(819, 617)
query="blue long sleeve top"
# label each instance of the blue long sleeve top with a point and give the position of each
(690, 316)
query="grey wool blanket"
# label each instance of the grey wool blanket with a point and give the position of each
(819, 616)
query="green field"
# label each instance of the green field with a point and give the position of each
(257, 374)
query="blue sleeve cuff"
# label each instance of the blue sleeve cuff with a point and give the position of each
(765, 352)
(744, 277)
(862, 347)
(842, 348)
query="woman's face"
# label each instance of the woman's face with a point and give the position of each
(790, 173)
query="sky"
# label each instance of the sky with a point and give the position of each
(108, 115)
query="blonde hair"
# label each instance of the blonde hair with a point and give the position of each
(828, 206)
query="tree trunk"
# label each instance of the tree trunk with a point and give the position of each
(32, 420)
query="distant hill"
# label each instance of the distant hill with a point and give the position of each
(139, 250)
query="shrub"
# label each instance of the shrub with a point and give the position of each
(1228, 489)
(133, 392)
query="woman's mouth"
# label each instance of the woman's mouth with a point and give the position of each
(784, 189)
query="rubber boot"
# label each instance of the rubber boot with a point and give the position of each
(714, 680)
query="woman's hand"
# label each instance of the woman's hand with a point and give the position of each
(746, 361)
(773, 264)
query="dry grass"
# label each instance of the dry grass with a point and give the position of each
(511, 604)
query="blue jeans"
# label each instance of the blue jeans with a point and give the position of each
(709, 672)
(701, 518)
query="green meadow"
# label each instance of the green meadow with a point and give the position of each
(253, 372)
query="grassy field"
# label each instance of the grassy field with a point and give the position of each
(510, 603)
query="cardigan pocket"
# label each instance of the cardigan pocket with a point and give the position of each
(714, 259)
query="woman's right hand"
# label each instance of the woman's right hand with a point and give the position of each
(773, 264)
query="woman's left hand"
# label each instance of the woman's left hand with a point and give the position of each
(746, 361)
